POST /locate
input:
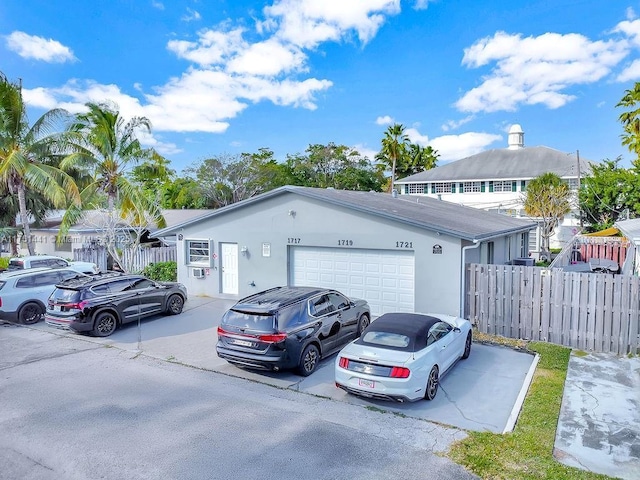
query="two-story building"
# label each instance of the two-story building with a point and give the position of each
(497, 179)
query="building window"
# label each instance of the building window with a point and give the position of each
(198, 252)
(471, 187)
(501, 186)
(442, 187)
(416, 188)
(573, 183)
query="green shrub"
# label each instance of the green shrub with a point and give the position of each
(162, 271)
(4, 263)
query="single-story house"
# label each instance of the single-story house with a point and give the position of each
(400, 253)
(88, 230)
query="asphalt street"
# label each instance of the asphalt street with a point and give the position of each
(77, 409)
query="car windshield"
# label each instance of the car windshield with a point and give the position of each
(249, 320)
(65, 295)
(386, 339)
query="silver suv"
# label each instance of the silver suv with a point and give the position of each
(34, 261)
(25, 293)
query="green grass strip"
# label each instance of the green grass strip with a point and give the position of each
(527, 452)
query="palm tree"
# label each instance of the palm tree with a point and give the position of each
(27, 153)
(394, 148)
(631, 119)
(104, 147)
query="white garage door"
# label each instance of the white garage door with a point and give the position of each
(385, 278)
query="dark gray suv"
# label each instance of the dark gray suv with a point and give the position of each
(289, 327)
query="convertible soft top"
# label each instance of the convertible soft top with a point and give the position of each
(415, 326)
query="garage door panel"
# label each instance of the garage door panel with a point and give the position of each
(384, 278)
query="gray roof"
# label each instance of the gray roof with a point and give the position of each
(630, 229)
(503, 163)
(448, 218)
(92, 220)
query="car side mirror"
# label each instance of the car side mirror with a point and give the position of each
(456, 329)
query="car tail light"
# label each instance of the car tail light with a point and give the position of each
(0, 301)
(273, 338)
(400, 372)
(343, 363)
(76, 306)
(267, 338)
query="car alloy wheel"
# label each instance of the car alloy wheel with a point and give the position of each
(30, 313)
(309, 360)
(175, 304)
(467, 346)
(105, 325)
(432, 384)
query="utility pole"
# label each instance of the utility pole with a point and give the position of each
(579, 181)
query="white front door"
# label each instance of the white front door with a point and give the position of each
(229, 266)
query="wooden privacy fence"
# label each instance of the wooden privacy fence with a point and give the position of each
(588, 311)
(141, 258)
(146, 256)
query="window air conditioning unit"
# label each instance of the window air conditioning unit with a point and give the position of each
(198, 272)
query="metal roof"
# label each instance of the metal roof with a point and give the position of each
(630, 229)
(505, 164)
(423, 212)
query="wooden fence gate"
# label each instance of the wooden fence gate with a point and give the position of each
(589, 311)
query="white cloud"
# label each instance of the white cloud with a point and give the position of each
(455, 147)
(536, 70)
(268, 58)
(38, 48)
(421, 4)
(416, 137)
(164, 148)
(630, 73)
(213, 47)
(307, 23)
(454, 124)
(366, 152)
(190, 16)
(158, 5)
(386, 120)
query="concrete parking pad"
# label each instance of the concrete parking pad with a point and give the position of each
(599, 424)
(483, 393)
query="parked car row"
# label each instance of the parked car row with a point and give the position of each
(399, 356)
(96, 304)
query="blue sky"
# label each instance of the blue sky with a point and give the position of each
(232, 76)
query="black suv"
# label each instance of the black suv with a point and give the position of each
(289, 327)
(100, 303)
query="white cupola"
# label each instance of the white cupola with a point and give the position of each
(516, 137)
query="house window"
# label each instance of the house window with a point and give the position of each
(416, 188)
(442, 187)
(198, 252)
(471, 187)
(501, 186)
(573, 183)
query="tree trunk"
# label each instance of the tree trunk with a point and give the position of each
(393, 175)
(24, 217)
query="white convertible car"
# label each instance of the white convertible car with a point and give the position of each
(401, 356)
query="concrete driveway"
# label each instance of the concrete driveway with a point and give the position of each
(483, 393)
(599, 424)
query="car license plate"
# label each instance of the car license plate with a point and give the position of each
(366, 383)
(56, 308)
(243, 343)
